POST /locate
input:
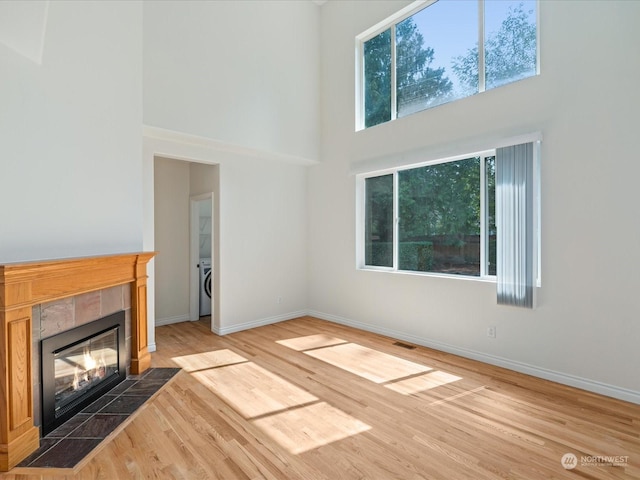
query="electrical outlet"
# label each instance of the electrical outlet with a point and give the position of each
(491, 331)
(279, 300)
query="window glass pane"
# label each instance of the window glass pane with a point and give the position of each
(490, 176)
(379, 221)
(510, 41)
(439, 229)
(377, 79)
(435, 55)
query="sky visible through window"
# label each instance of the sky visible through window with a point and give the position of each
(450, 27)
(436, 56)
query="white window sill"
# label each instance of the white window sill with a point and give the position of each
(485, 279)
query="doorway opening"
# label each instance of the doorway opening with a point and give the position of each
(185, 229)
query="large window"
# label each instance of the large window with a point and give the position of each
(433, 54)
(437, 218)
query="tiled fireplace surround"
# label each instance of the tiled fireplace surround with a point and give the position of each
(41, 298)
(55, 317)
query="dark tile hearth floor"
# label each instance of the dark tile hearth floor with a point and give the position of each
(72, 441)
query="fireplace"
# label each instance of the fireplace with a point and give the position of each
(24, 286)
(80, 365)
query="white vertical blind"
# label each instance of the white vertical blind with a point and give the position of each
(516, 269)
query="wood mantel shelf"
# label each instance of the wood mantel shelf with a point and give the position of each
(24, 285)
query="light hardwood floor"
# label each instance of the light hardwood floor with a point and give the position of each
(308, 399)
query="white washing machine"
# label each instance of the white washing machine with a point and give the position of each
(205, 286)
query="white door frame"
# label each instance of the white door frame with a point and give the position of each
(194, 255)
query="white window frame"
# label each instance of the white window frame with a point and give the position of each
(361, 218)
(387, 23)
(390, 23)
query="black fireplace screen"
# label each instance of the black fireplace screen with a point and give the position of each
(83, 366)
(80, 365)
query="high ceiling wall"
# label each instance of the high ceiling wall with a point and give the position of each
(242, 73)
(70, 120)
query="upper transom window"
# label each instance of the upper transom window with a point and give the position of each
(435, 52)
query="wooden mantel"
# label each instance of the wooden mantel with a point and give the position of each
(24, 285)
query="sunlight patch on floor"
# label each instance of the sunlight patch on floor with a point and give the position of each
(303, 429)
(310, 341)
(252, 390)
(367, 363)
(293, 417)
(397, 374)
(205, 360)
(422, 383)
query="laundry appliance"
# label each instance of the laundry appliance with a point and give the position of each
(205, 286)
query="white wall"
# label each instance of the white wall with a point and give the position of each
(263, 254)
(585, 103)
(171, 203)
(243, 73)
(237, 84)
(70, 140)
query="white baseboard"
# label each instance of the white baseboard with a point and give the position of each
(259, 323)
(169, 320)
(558, 377)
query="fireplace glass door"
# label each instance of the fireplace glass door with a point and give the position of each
(80, 365)
(83, 366)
